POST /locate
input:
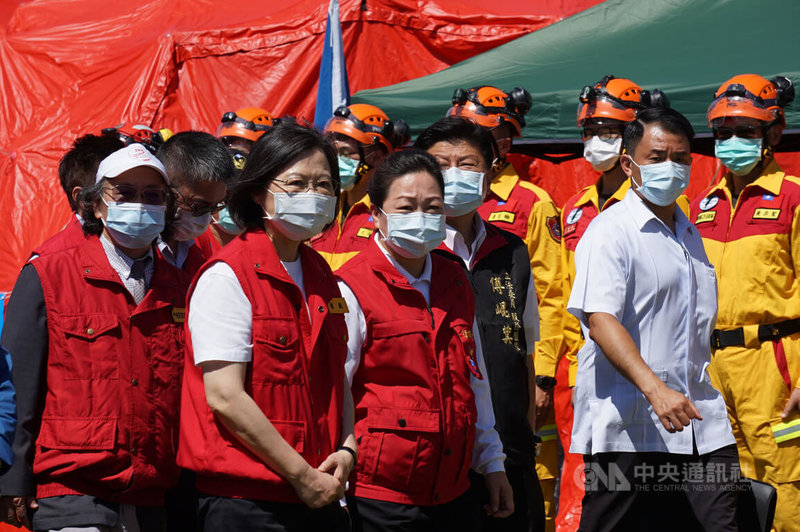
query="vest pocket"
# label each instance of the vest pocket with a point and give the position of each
(277, 350)
(89, 346)
(78, 433)
(402, 448)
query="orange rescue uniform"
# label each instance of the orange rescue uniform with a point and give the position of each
(755, 248)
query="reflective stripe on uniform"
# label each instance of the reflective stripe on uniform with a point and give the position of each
(547, 433)
(786, 431)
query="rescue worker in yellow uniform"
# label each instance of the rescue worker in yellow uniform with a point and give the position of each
(750, 224)
(604, 110)
(527, 211)
(363, 136)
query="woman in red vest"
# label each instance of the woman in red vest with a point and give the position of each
(422, 405)
(267, 416)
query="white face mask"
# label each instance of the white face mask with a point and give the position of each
(463, 191)
(188, 227)
(602, 154)
(301, 215)
(664, 182)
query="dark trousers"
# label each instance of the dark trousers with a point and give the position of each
(370, 515)
(180, 504)
(528, 513)
(661, 491)
(245, 515)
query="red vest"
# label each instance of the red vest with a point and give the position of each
(296, 375)
(70, 236)
(110, 422)
(415, 410)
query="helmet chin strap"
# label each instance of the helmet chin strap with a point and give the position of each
(363, 167)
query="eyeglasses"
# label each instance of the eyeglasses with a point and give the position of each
(294, 185)
(743, 132)
(198, 208)
(130, 194)
(605, 133)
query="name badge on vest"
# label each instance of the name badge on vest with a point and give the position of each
(705, 217)
(178, 314)
(364, 232)
(337, 305)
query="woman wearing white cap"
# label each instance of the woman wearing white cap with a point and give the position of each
(266, 413)
(95, 336)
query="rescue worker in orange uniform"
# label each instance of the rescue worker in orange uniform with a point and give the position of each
(604, 110)
(238, 131)
(363, 136)
(750, 223)
(527, 211)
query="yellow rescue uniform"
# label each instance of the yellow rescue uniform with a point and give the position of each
(755, 248)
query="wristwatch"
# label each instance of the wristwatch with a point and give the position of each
(545, 383)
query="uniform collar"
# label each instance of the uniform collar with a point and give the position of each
(771, 180)
(426, 270)
(455, 242)
(504, 182)
(592, 194)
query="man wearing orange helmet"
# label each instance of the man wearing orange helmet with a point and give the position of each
(527, 211)
(238, 130)
(603, 111)
(750, 224)
(363, 136)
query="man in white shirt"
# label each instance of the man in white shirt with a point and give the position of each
(654, 432)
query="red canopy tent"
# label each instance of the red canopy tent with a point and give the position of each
(71, 67)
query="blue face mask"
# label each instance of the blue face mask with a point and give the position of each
(134, 225)
(226, 223)
(413, 234)
(663, 183)
(463, 191)
(739, 155)
(347, 172)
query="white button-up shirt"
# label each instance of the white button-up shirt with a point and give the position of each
(663, 290)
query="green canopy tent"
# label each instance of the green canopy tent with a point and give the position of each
(686, 48)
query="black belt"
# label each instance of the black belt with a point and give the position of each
(721, 339)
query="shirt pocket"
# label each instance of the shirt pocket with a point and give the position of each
(91, 346)
(277, 350)
(400, 450)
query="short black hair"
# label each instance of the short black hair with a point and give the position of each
(668, 118)
(78, 167)
(195, 156)
(454, 129)
(397, 165)
(271, 155)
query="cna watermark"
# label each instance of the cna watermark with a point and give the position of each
(662, 477)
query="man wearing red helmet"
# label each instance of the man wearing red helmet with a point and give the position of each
(750, 224)
(363, 136)
(527, 211)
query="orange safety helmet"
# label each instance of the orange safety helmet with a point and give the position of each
(751, 96)
(364, 123)
(490, 107)
(248, 123)
(616, 99)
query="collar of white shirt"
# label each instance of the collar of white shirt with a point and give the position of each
(179, 257)
(455, 241)
(120, 261)
(425, 277)
(642, 214)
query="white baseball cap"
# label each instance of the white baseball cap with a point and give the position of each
(127, 158)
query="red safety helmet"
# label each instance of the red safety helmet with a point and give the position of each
(617, 99)
(248, 123)
(490, 107)
(751, 96)
(365, 124)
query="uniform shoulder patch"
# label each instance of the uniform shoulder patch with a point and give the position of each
(574, 215)
(554, 227)
(708, 203)
(503, 216)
